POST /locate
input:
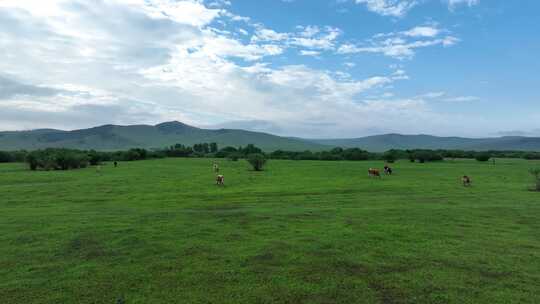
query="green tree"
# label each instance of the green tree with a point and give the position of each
(482, 157)
(535, 172)
(250, 149)
(32, 160)
(5, 157)
(257, 161)
(390, 156)
(94, 158)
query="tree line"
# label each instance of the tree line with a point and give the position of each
(64, 159)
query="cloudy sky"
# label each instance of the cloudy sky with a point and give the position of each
(313, 68)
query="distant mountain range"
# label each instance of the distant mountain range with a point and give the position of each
(386, 142)
(113, 137)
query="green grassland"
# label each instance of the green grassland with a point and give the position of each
(300, 232)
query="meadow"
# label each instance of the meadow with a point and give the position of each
(161, 231)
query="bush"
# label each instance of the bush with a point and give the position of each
(535, 172)
(482, 157)
(390, 156)
(306, 155)
(425, 156)
(257, 161)
(94, 158)
(57, 159)
(5, 157)
(234, 156)
(532, 156)
(355, 154)
(32, 160)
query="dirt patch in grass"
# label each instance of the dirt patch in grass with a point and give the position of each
(398, 268)
(85, 246)
(483, 271)
(25, 239)
(273, 256)
(386, 293)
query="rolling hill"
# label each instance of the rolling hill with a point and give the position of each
(114, 137)
(379, 143)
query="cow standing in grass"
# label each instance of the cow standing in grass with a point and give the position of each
(387, 170)
(466, 181)
(374, 172)
(220, 180)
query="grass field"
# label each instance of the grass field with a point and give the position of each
(300, 232)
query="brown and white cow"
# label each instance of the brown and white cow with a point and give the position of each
(220, 180)
(374, 172)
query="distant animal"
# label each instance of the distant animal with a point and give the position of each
(466, 181)
(98, 168)
(387, 170)
(115, 164)
(216, 168)
(220, 180)
(374, 172)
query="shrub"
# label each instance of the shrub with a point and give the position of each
(19, 156)
(257, 161)
(326, 155)
(426, 156)
(482, 157)
(250, 149)
(234, 156)
(213, 147)
(532, 156)
(94, 158)
(57, 159)
(306, 155)
(32, 160)
(226, 152)
(355, 154)
(390, 156)
(280, 154)
(535, 172)
(5, 157)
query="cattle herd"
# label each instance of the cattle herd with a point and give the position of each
(377, 173)
(372, 172)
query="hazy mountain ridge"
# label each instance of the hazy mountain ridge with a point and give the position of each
(422, 141)
(115, 137)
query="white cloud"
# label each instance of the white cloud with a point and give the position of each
(453, 3)
(462, 99)
(443, 96)
(422, 31)
(309, 53)
(395, 8)
(401, 45)
(309, 37)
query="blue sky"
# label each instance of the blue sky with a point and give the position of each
(312, 68)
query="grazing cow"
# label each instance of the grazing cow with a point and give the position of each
(216, 168)
(220, 180)
(387, 170)
(374, 172)
(466, 181)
